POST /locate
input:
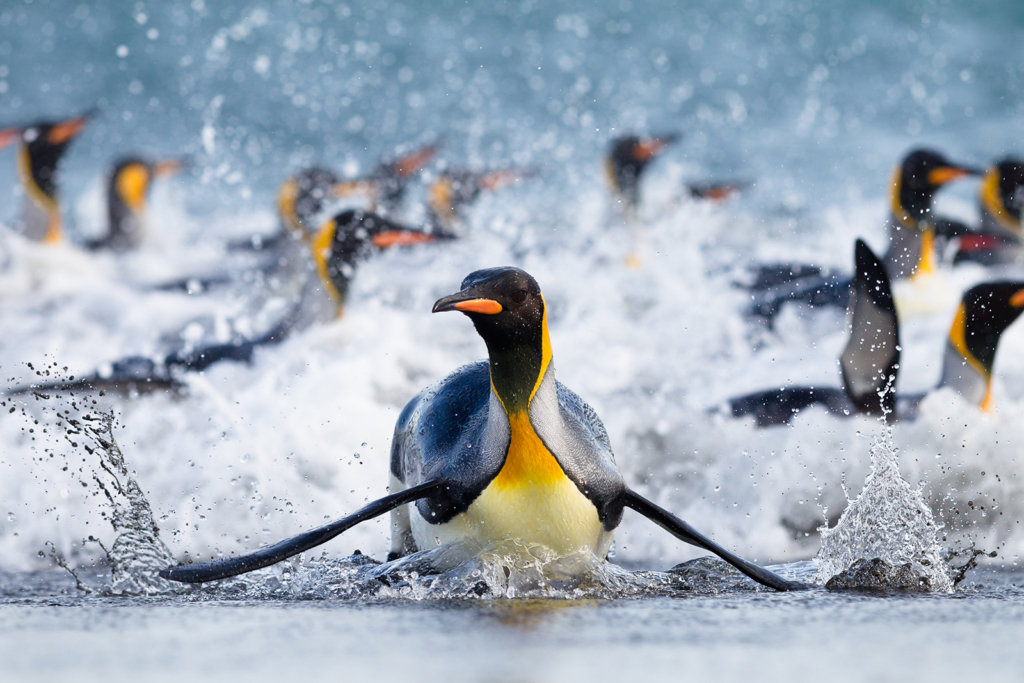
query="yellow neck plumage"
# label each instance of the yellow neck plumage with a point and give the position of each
(958, 338)
(321, 247)
(926, 263)
(529, 462)
(54, 230)
(993, 202)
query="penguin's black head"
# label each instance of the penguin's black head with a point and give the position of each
(989, 309)
(505, 305)
(1011, 185)
(131, 177)
(922, 173)
(314, 191)
(46, 142)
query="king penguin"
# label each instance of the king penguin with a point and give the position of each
(302, 198)
(42, 145)
(628, 158)
(453, 191)
(998, 240)
(870, 362)
(127, 193)
(497, 451)
(912, 226)
(351, 236)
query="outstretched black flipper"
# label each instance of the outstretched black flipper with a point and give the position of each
(871, 358)
(223, 568)
(829, 289)
(684, 532)
(778, 406)
(140, 374)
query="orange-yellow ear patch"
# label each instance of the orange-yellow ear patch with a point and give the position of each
(946, 174)
(400, 238)
(1017, 300)
(132, 184)
(485, 306)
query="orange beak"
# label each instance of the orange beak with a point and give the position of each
(9, 136)
(169, 167)
(508, 178)
(645, 149)
(462, 302)
(66, 130)
(411, 163)
(1017, 300)
(485, 306)
(947, 174)
(400, 238)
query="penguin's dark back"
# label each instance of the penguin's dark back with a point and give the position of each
(443, 433)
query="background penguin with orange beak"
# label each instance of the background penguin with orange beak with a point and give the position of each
(870, 361)
(453, 191)
(626, 162)
(499, 452)
(302, 198)
(127, 192)
(912, 232)
(42, 145)
(998, 240)
(352, 236)
(336, 249)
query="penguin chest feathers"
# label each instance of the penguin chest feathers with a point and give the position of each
(530, 501)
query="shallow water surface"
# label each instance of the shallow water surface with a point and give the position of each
(50, 632)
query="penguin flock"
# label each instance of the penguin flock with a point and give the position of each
(500, 450)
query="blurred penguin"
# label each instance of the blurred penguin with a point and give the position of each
(42, 144)
(127, 194)
(997, 241)
(913, 229)
(453, 191)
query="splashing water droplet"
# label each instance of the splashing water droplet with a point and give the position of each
(888, 520)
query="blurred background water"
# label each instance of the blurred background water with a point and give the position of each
(813, 99)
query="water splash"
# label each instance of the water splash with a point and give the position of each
(138, 553)
(493, 574)
(889, 521)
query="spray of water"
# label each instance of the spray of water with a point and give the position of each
(888, 520)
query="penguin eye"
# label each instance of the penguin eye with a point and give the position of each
(519, 296)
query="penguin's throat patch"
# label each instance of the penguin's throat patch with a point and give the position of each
(896, 206)
(958, 338)
(528, 462)
(993, 203)
(286, 198)
(132, 185)
(323, 248)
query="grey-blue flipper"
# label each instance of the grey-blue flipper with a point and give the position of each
(869, 362)
(224, 568)
(684, 532)
(871, 358)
